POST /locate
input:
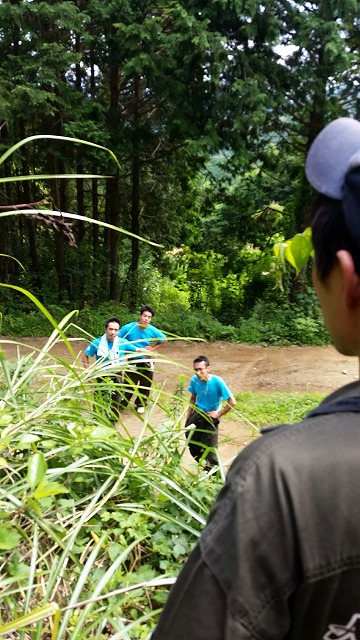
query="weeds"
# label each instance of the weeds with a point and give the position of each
(272, 322)
(265, 409)
(96, 523)
(88, 510)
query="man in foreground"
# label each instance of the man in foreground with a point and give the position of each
(205, 410)
(280, 555)
(143, 335)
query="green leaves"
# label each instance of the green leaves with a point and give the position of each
(79, 507)
(16, 146)
(299, 250)
(9, 537)
(36, 469)
(36, 477)
(296, 251)
(46, 489)
(31, 618)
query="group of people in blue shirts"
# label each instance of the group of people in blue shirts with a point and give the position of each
(135, 344)
(141, 340)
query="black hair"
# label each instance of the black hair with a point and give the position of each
(330, 234)
(202, 359)
(112, 319)
(147, 307)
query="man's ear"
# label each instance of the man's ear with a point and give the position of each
(351, 279)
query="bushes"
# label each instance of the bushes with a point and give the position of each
(281, 325)
(196, 324)
(92, 516)
(88, 512)
(268, 323)
(23, 323)
(263, 409)
(276, 322)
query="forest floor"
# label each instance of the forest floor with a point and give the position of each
(243, 367)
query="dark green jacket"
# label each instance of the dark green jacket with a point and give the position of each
(280, 555)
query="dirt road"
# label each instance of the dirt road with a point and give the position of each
(244, 368)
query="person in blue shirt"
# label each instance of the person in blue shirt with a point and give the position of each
(144, 335)
(111, 350)
(205, 410)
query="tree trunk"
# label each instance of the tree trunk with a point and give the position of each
(135, 228)
(112, 213)
(59, 242)
(95, 215)
(135, 204)
(58, 192)
(30, 225)
(113, 238)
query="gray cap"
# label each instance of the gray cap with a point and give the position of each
(333, 153)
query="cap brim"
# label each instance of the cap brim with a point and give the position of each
(333, 152)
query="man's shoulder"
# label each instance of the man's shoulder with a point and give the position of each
(217, 378)
(197, 386)
(218, 381)
(126, 328)
(284, 455)
(128, 325)
(273, 494)
(153, 329)
(95, 342)
(93, 346)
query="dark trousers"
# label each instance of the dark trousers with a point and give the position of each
(140, 376)
(204, 435)
(107, 400)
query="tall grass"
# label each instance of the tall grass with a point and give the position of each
(95, 522)
(265, 409)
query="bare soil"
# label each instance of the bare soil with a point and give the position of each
(243, 367)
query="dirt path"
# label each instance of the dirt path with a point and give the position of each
(244, 368)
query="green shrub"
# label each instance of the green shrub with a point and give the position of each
(180, 321)
(97, 513)
(283, 324)
(266, 409)
(276, 322)
(90, 509)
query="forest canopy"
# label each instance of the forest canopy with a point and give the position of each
(209, 109)
(164, 161)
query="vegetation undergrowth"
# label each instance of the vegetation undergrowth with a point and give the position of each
(87, 509)
(96, 522)
(270, 322)
(265, 409)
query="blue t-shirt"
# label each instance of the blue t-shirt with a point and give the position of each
(141, 337)
(123, 347)
(210, 394)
